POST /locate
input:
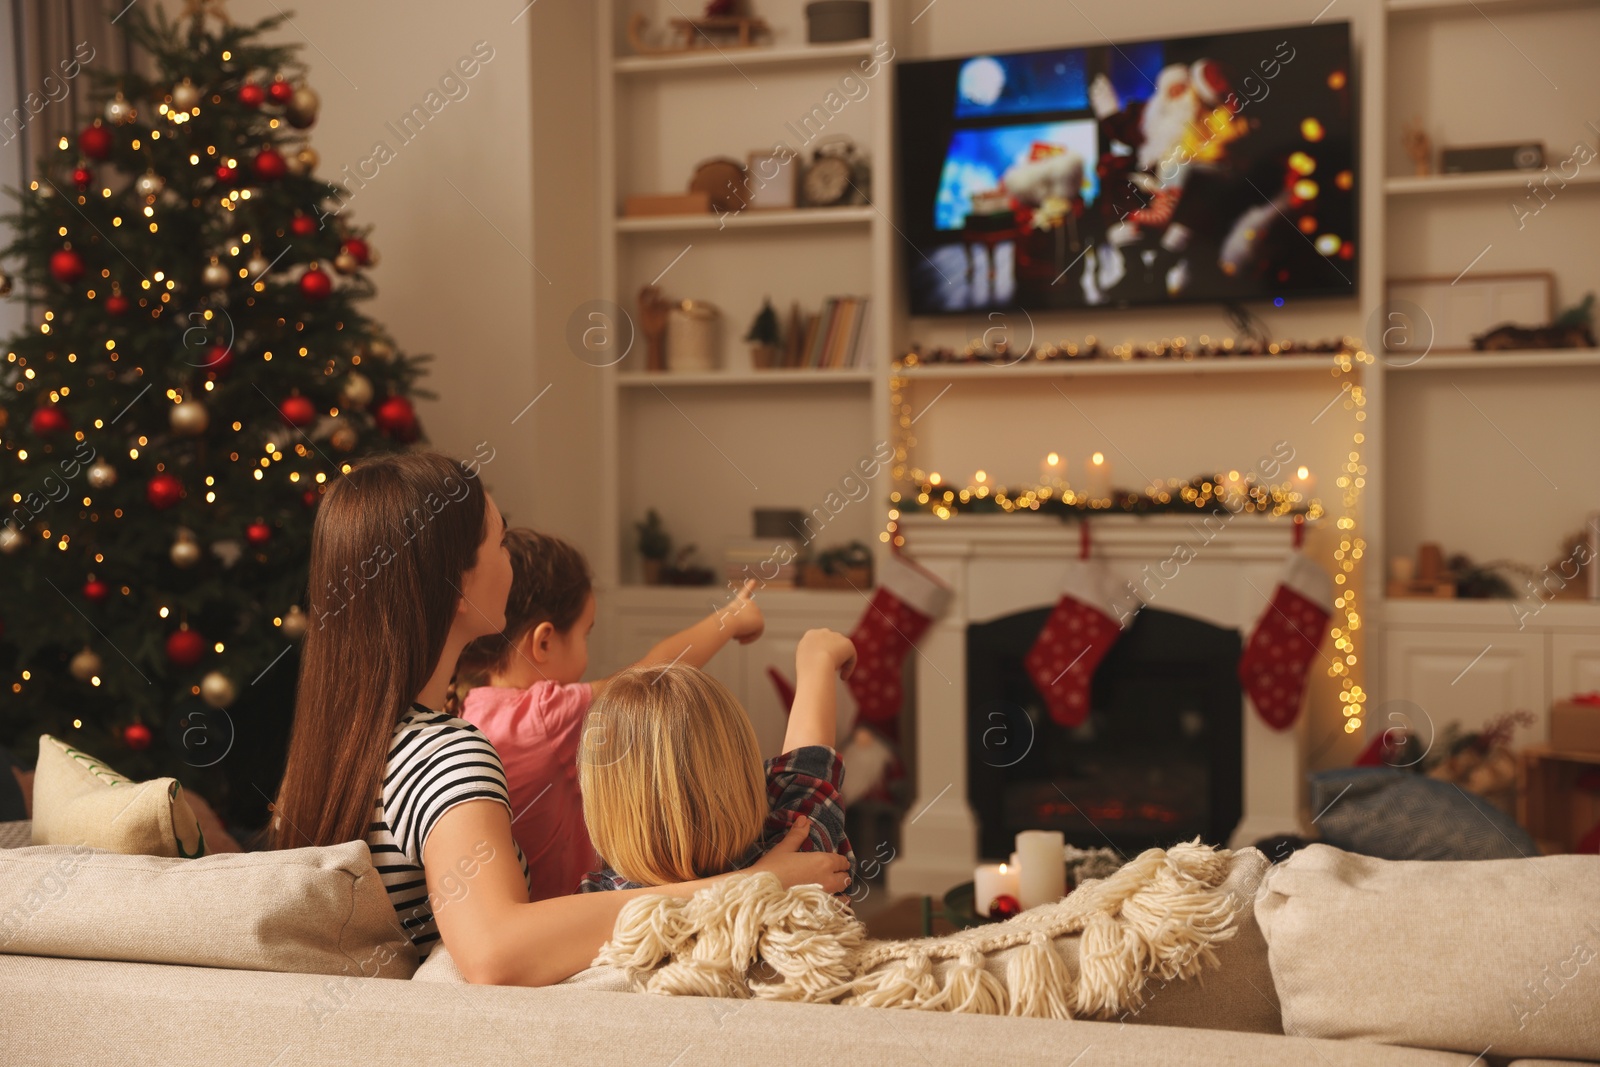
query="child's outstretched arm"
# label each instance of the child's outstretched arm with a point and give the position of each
(822, 656)
(740, 621)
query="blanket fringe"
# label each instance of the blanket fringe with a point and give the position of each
(1160, 916)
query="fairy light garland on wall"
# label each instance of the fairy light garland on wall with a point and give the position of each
(918, 490)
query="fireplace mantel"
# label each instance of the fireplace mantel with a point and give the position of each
(1222, 571)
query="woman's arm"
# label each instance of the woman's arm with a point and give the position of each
(740, 621)
(497, 937)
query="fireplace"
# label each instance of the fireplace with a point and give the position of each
(1156, 761)
(1006, 571)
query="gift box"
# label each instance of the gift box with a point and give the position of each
(1575, 724)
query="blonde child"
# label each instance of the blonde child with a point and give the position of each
(674, 787)
(529, 699)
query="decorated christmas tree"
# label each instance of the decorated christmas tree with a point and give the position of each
(194, 377)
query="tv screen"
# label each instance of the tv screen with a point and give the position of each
(1216, 168)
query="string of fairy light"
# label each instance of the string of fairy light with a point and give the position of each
(916, 489)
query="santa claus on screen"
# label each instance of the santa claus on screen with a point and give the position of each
(1155, 146)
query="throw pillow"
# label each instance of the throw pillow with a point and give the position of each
(305, 910)
(1502, 955)
(1400, 815)
(77, 800)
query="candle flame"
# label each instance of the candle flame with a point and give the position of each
(1002, 868)
(1098, 458)
(1304, 473)
(1054, 459)
(980, 477)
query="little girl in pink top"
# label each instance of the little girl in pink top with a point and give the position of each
(527, 696)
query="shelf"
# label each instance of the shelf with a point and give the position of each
(1458, 7)
(1500, 614)
(746, 378)
(1581, 357)
(1475, 183)
(736, 59)
(703, 597)
(1064, 368)
(753, 219)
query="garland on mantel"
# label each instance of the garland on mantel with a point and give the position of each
(920, 490)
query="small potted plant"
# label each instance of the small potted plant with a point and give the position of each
(764, 337)
(655, 545)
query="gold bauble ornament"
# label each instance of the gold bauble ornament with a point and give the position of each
(149, 184)
(185, 96)
(344, 437)
(378, 348)
(302, 109)
(102, 475)
(345, 263)
(356, 392)
(218, 690)
(307, 157)
(118, 110)
(215, 275)
(294, 623)
(257, 266)
(85, 665)
(185, 551)
(189, 419)
(11, 540)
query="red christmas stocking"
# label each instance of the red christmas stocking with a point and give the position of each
(1080, 631)
(1278, 656)
(905, 603)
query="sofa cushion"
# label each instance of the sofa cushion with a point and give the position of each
(440, 966)
(178, 1015)
(313, 910)
(1473, 955)
(1400, 815)
(77, 800)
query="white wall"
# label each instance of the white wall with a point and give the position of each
(468, 273)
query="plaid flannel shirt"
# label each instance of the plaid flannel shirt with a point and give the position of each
(805, 782)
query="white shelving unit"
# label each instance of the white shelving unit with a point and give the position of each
(705, 448)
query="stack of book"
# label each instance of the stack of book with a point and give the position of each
(832, 339)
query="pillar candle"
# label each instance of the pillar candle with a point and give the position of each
(1043, 875)
(992, 880)
(1305, 483)
(1097, 477)
(1052, 471)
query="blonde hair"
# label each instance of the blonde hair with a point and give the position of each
(671, 774)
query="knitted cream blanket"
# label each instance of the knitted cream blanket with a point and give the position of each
(1156, 917)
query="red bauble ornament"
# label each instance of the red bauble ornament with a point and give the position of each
(1004, 906)
(298, 411)
(311, 497)
(218, 361)
(358, 248)
(48, 420)
(136, 736)
(315, 284)
(397, 418)
(227, 175)
(258, 533)
(163, 491)
(185, 648)
(82, 176)
(269, 165)
(117, 304)
(252, 95)
(302, 225)
(95, 142)
(280, 91)
(95, 591)
(66, 266)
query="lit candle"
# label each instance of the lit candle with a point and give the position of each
(1097, 477)
(1231, 491)
(1051, 471)
(1304, 483)
(1042, 878)
(992, 880)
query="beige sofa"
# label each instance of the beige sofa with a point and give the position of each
(120, 910)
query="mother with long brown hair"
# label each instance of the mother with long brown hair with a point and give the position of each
(408, 565)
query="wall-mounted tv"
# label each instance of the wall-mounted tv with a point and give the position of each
(1219, 168)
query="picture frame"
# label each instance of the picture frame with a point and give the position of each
(771, 181)
(1441, 314)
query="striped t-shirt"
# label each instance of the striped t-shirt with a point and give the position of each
(436, 761)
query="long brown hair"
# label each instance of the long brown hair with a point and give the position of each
(671, 775)
(391, 542)
(550, 582)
